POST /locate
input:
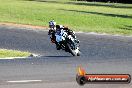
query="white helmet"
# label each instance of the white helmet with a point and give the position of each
(52, 24)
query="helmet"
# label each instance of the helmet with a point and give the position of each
(52, 24)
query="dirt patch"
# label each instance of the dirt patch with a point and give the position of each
(23, 25)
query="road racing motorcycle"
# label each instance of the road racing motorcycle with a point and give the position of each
(68, 43)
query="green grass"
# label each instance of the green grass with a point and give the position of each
(80, 16)
(4, 53)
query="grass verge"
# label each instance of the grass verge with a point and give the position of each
(97, 17)
(4, 53)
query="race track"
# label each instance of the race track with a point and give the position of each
(57, 69)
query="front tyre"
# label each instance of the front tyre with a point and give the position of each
(73, 52)
(79, 53)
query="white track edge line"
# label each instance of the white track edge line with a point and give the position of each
(24, 81)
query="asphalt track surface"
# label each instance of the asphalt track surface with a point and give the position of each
(58, 69)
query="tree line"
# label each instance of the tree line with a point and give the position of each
(112, 1)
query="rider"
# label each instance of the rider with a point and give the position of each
(56, 31)
(52, 26)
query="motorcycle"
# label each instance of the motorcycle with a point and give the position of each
(68, 43)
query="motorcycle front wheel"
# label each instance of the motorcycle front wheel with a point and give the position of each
(73, 52)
